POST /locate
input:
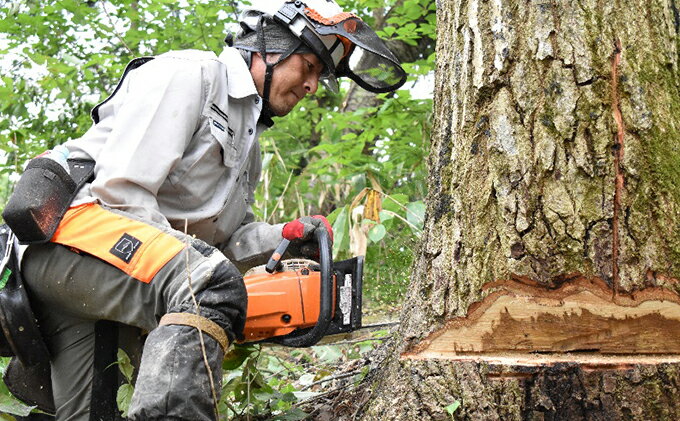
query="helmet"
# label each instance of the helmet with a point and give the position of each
(341, 40)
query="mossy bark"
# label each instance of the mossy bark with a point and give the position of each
(555, 150)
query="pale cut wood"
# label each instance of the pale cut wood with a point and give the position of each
(581, 315)
(586, 361)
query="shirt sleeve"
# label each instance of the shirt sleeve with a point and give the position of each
(151, 120)
(253, 243)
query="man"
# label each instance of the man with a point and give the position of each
(152, 240)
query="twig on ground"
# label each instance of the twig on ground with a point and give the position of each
(331, 378)
(322, 395)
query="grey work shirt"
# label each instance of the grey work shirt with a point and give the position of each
(176, 142)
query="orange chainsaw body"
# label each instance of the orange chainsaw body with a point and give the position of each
(281, 302)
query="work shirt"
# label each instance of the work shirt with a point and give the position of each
(176, 144)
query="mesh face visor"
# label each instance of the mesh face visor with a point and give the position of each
(346, 46)
(370, 63)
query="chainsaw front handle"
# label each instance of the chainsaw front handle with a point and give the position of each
(312, 336)
(275, 259)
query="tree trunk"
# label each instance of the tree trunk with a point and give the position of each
(546, 285)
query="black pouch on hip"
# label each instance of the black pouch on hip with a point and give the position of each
(42, 196)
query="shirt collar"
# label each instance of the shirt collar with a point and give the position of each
(240, 80)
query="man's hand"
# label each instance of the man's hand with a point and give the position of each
(301, 235)
(302, 229)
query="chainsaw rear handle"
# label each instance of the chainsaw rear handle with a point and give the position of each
(305, 338)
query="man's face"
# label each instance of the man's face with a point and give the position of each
(293, 78)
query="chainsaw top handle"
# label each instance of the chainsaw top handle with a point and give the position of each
(310, 337)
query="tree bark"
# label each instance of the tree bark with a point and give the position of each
(546, 284)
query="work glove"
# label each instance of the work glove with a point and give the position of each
(301, 234)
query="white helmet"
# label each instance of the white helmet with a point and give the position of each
(338, 38)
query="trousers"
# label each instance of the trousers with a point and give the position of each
(75, 283)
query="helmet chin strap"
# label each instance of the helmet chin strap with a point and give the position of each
(270, 66)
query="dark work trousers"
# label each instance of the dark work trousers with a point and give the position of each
(72, 287)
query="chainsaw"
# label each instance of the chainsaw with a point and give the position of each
(297, 302)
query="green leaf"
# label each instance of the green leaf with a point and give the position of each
(260, 395)
(289, 396)
(10, 405)
(237, 356)
(389, 30)
(385, 216)
(377, 233)
(230, 383)
(453, 407)
(328, 353)
(416, 213)
(123, 398)
(306, 379)
(266, 160)
(124, 365)
(294, 414)
(340, 231)
(305, 395)
(395, 202)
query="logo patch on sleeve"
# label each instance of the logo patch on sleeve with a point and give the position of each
(126, 247)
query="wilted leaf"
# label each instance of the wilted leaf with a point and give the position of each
(358, 237)
(373, 206)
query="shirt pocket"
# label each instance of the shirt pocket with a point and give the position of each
(196, 176)
(218, 228)
(225, 135)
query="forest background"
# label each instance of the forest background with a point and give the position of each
(358, 158)
(60, 58)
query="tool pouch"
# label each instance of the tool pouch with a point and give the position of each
(42, 196)
(28, 373)
(21, 335)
